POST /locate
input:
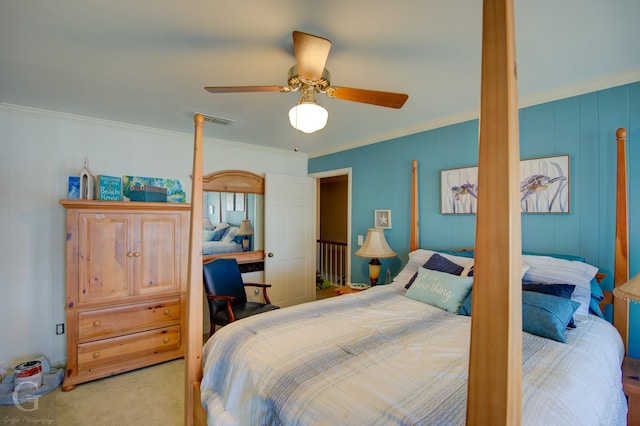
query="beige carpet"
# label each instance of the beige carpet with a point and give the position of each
(148, 396)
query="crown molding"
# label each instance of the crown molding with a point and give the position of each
(134, 127)
(578, 89)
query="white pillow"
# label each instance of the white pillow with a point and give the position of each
(230, 235)
(550, 270)
(417, 258)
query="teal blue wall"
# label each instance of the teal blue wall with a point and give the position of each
(583, 127)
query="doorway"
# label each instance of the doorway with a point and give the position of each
(333, 231)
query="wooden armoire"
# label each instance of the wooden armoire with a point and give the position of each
(126, 278)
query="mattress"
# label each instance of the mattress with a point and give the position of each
(378, 357)
(219, 247)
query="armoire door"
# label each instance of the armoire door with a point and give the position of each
(104, 268)
(156, 253)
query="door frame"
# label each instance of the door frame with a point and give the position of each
(332, 173)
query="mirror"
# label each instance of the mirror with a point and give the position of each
(233, 215)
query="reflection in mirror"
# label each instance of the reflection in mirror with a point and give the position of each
(233, 216)
(232, 222)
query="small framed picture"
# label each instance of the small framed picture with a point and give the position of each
(239, 202)
(73, 192)
(382, 219)
(231, 197)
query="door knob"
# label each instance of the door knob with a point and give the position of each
(270, 254)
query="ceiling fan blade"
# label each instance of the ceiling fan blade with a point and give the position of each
(311, 54)
(237, 89)
(373, 97)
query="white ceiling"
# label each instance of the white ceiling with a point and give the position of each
(145, 62)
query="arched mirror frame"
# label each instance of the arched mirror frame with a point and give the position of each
(235, 181)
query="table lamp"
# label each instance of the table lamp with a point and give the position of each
(629, 290)
(375, 247)
(246, 230)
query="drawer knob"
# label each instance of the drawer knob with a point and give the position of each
(165, 340)
(96, 355)
(166, 312)
(96, 323)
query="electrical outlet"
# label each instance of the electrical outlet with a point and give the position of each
(360, 240)
(59, 328)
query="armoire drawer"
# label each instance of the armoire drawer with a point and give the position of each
(126, 319)
(125, 348)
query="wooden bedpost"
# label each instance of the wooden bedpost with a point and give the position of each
(495, 359)
(193, 357)
(414, 239)
(621, 265)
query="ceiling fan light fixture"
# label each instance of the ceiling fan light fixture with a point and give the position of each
(308, 117)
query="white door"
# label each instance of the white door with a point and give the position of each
(290, 244)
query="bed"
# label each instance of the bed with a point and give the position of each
(221, 238)
(442, 367)
(380, 357)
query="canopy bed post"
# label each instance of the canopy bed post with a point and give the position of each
(414, 240)
(495, 370)
(193, 357)
(621, 265)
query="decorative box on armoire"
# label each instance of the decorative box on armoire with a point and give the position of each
(126, 281)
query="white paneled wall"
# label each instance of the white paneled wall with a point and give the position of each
(38, 151)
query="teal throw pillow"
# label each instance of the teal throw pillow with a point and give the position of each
(544, 315)
(440, 289)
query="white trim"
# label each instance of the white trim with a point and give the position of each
(128, 126)
(582, 88)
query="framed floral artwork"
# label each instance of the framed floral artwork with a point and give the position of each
(544, 187)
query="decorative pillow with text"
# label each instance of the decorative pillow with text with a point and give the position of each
(440, 289)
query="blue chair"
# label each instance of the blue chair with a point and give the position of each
(226, 294)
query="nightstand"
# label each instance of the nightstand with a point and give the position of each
(631, 386)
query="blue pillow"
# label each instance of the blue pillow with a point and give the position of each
(438, 263)
(596, 290)
(440, 289)
(220, 231)
(596, 297)
(560, 290)
(465, 306)
(461, 253)
(544, 315)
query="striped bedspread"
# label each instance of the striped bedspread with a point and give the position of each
(379, 358)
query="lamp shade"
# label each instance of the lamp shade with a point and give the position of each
(308, 117)
(629, 290)
(245, 228)
(375, 245)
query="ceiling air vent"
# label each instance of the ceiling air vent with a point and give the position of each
(217, 120)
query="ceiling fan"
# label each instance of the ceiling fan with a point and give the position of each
(310, 77)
